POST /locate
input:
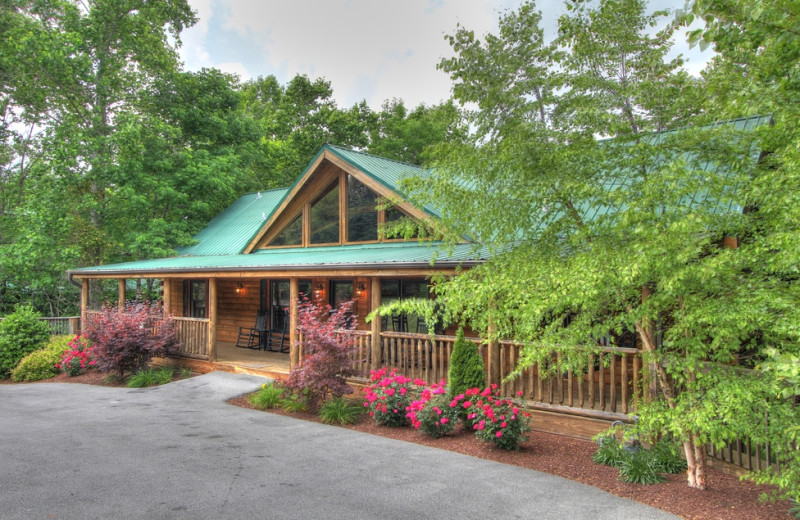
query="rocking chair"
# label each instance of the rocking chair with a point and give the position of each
(254, 337)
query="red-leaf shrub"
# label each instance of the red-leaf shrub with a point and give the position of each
(126, 340)
(327, 356)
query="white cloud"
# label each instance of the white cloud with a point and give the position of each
(367, 49)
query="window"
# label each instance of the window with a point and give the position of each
(291, 234)
(195, 294)
(325, 216)
(392, 290)
(393, 215)
(280, 300)
(341, 291)
(362, 217)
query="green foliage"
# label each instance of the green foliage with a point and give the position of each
(466, 368)
(340, 411)
(20, 334)
(609, 452)
(150, 377)
(667, 457)
(268, 396)
(640, 467)
(41, 364)
(295, 403)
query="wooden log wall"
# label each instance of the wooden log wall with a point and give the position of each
(234, 309)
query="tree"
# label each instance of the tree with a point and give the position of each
(405, 136)
(607, 238)
(327, 355)
(126, 340)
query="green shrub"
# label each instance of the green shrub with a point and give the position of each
(340, 411)
(41, 364)
(466, 367)
(668, 457)
(640, 468)
(269, 396)
(20, 334)
(295, 403)
(150, 377)
(609, 452)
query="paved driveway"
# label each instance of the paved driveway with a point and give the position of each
(178, 451)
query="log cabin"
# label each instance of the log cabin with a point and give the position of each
(320, 238)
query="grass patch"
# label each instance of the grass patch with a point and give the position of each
(269, 396)
(150, 377)
(340, 411)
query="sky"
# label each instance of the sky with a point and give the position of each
(370, 50)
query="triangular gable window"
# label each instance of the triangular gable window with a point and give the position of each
(291, 234)
(362, 216)
(325, 216)
(336, 208)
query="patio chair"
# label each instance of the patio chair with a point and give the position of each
(279, 339)
(254, 337)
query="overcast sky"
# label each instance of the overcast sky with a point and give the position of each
(368, 49)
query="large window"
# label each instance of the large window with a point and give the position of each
(195, 294)
(325, 216)
(291, 234)
(362, 217)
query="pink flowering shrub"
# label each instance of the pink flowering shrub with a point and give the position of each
(327, 355)
(493, 419)
(80, 354)
(432, 413)
(388, 396)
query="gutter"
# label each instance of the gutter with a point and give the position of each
(300, 268)
(71, 279)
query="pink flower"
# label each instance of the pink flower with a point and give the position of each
(445, 420)
(498, 434)
(503, 424)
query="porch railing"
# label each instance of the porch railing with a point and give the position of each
(605, 389)
(193, 335)
(607, 385)
(62, 325)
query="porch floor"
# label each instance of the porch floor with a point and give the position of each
(231, 358)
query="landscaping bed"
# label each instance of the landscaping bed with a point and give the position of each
(726, 497)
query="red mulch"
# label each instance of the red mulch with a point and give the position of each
(726, 497)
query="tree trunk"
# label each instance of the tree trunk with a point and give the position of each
(696, 463)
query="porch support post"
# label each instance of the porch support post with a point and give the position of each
(121, 283)
(212, 319)
(375, 302)
(294, 348)
(166, 295)
(84, 301)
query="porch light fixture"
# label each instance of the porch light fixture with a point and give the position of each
(360, 289)
(239, 288)
(318, 289)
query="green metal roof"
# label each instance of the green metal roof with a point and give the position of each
(387, 255)
(229, 232)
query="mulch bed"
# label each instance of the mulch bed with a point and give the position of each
(726, 496)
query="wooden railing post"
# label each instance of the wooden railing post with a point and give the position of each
(74, 325)
(212, 319)
(375, 302)
(294, 296)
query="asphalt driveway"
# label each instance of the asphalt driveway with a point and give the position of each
(178, 451)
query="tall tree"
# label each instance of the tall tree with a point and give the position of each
(614, 238)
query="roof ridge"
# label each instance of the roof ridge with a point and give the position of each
(404, 163)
